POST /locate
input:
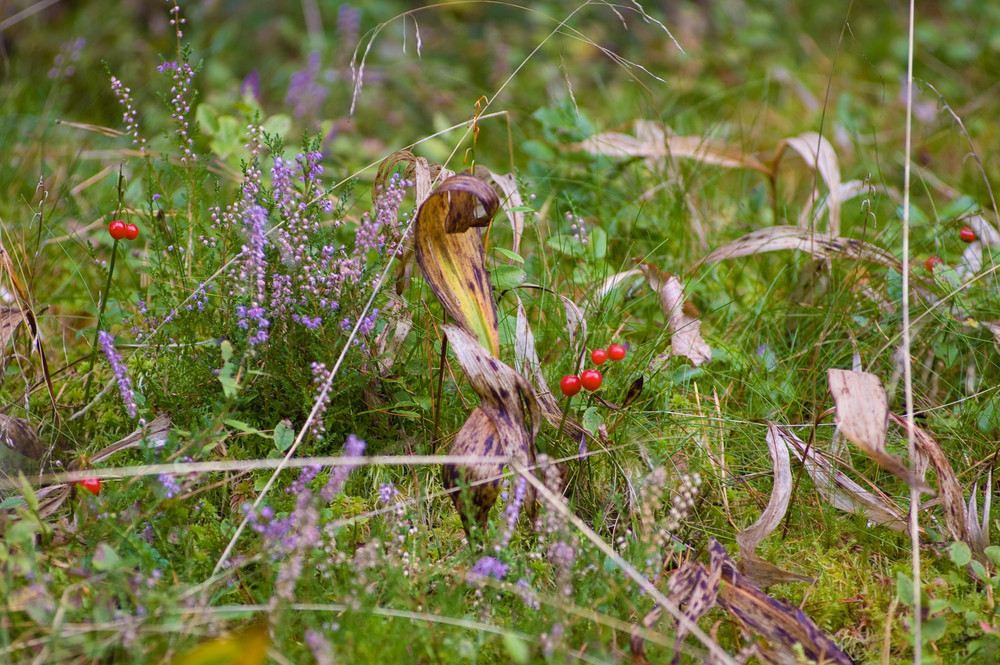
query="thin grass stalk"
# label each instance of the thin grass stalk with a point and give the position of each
(907, 369)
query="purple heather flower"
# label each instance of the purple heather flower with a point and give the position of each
(320, 647)
(251, 85)
(353, 447)
(121, 375)
(124, 97)
(387, 493)
(305, 91)
(487, 566)
(170, 486)
(182, 76)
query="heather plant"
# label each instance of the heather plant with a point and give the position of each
(248, 396)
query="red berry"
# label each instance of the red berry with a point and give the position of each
(116, 228)
(570, 385)
(591, 379)
(92, 485)
(598, 356)
(131, 231)
(933, 261)
(967, 234)
(616, 352)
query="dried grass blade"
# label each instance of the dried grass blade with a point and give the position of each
(526, 362)
(819, 245)
(656, 146)
(609, 284)
(818, 153)
(839, 490)
(755, 569)
(949, 489)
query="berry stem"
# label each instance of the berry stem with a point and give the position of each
(569, 398)
(100, 322)
(120, 186)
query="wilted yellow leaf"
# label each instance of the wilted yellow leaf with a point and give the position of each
(450, 253)
(246, 648)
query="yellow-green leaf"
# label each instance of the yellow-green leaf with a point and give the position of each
(450, 253)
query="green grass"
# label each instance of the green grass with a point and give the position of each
(138, 573)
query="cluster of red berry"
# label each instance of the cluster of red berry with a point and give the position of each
(591, 379)
(119, 230)
(966, 234)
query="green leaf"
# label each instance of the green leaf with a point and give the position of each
(207, 118)
(904, 588)
(508, 277)
(567, 245)
(592, 419)
(934, 628)
(960, 553)
(242, 426)
(516, 648)
(230, 386)
(993, 552)
(599, 242)
(979, 569)
(106, 559)
(284, 436)
(11, 502)
(513, 256)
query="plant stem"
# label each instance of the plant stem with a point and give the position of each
(100, 322)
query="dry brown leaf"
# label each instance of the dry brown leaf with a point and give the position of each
(862, 415)
(949, 489)
(652, 143)
(818, 153)
(18, 435)
(784, 628)
(755, 569)
(819, 245)
(609, 284)
(526, 362)
(402, 323)
(979, 532)
(417, 168)
(985, 231)
(499, 426)
(682, 321)
(11, 319)
(841, 491)
(694, 587)
(510, 201)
